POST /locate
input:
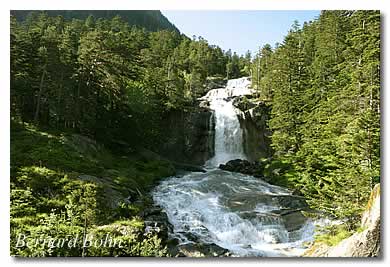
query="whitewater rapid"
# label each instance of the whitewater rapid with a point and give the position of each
(238, 212)
(235, 211)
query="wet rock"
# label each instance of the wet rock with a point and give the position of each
(235, 165)
(156, 221)
(191, 237)
(293, 202)
(294, 220)
(291, 219)
(188, 167)
(204, 104)
(172, 246)
(243, 166)
(202, 250)
(150, 211)
(173, 242)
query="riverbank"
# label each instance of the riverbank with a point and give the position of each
(365, 242)
(78, 184)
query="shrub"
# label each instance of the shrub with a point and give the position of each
(130, 240)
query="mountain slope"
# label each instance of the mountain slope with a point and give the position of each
(152, 20)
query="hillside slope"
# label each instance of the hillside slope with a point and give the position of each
(152, 20)
(65, 184)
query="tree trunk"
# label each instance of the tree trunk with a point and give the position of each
(76, 122)
(37, 110)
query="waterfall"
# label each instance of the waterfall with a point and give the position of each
(241, 213)
(228, 132)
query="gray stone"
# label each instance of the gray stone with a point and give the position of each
(84, 145)
(254, 121)
(158, 224)
(189, 136)
(293, 220)
(89, 178)
(243, 166)
(188, 167)
(361, 244)
(202, 250)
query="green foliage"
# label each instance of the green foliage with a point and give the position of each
(54, 228)
(126, 210)
(152, 20)
(333, 235)
(41, 180)
(49, 201)
(82, 206)
(130, 241)
(323, 83)
(32, 147)
(278, 172)
(57, 235)
(105, 79)
(260, 68)
(22, 203)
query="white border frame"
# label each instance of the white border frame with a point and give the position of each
(6, 6)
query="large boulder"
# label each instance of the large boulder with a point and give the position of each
(84, 145)
(202, 250)
(243, 166)
(293, 220)
(365, 243)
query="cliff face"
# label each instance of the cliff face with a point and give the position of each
(361, 244)
(189, 136)
(254, 121)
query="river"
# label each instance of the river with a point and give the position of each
(241, 213)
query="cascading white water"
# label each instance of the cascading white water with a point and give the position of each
(238, 212)
(235, 211)
(228, 132)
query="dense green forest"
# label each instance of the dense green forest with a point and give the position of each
(102, 77)
(109, 81)
(151, 20)
(83, 83)
(323, 84)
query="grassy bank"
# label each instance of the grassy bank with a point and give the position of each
(66, 184)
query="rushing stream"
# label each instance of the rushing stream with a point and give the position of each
(241, 213)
